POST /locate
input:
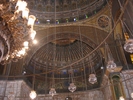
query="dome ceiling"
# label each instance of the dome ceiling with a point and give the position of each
(61, 5)
(58, 56)
(63, 51)
(55, 55)
(62, 48)
(66, 10)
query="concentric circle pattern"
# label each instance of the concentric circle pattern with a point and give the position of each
(57, 55)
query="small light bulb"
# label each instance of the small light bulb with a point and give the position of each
(31, 20)
(102, 67)
(33, 34)
(34, 41)
(74, 19)
(121, 98)
(48, 20)
(33, 94)
(24, 72)
(25, 13)
(26, 43)
(132, 94)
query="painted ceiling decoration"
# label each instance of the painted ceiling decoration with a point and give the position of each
(61, 50)
(66, 10)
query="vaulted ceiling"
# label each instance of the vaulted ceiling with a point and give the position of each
(68, 34)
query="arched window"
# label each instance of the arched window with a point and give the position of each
(117, 87)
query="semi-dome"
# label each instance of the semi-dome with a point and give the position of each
(60, 53)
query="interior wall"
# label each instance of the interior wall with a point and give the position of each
(91, 95)
(14, 90)
(126, 78)
(19, 90)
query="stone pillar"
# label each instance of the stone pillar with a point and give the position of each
(119, 40)
(14, 90)
(105, 86)
(120, 50)
(127, 80)
(118, 30)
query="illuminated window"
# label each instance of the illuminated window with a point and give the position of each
(126, 36)
(131, 56)
(117, 87)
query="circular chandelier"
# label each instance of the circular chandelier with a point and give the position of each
(128, 46)
(72, 87)
(16, 30)
(52, 92)
(111, 65)
(92, 78)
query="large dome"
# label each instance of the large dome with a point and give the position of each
(66, 10)
(59, 5)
